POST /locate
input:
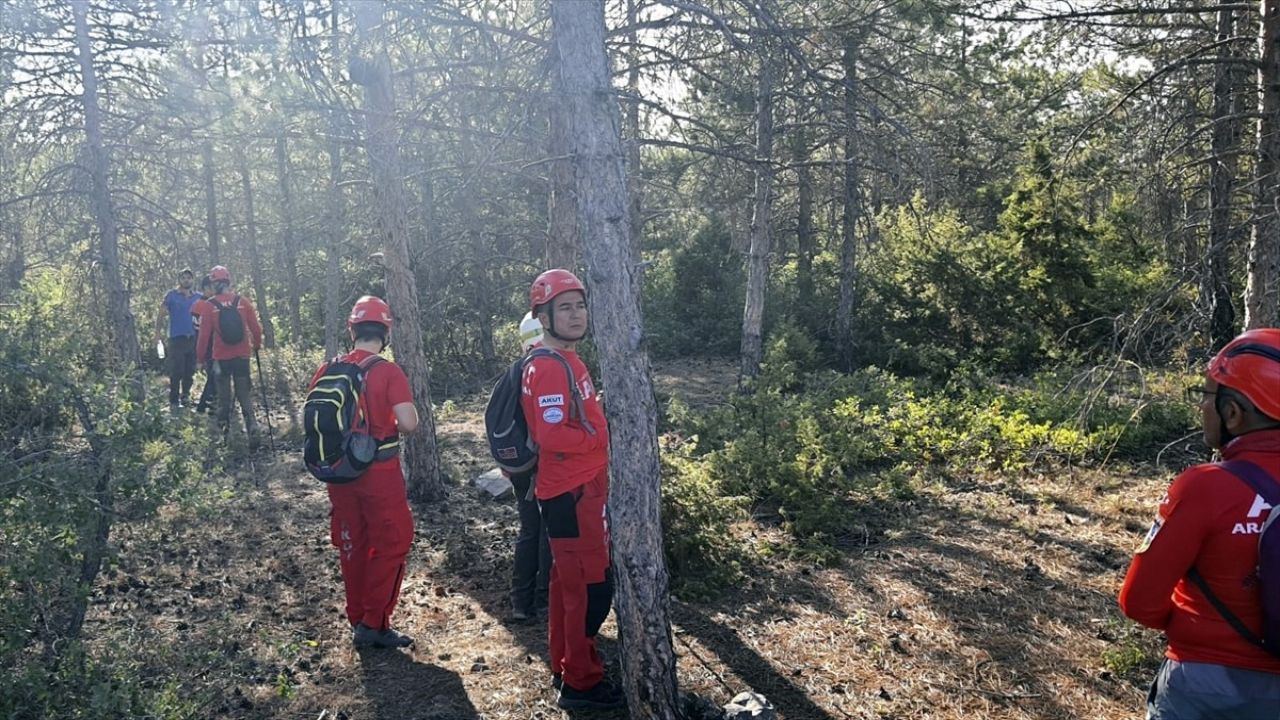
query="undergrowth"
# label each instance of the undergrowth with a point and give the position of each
(813, 448)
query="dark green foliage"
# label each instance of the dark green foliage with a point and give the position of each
(1045, 287)
(693, 295)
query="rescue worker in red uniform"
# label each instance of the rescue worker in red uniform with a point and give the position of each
(1209, 522)
(370, 521)
(228, 361)
(567, 423)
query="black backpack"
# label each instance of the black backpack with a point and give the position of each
(504, 422)
(337, 447)
(230, 324)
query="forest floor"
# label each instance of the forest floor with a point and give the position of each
(979, 597)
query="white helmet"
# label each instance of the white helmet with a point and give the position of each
(530, 331)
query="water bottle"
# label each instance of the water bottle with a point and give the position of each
(160, 349)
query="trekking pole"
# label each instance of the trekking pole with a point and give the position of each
(271, 435)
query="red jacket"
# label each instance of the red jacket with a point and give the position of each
(1210, 519)
(568, 455)
(209, 329)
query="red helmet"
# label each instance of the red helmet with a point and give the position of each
(220, 274)
(370, 309)
(1250, 364)
(552, 283)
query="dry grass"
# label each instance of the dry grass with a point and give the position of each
(985, 597)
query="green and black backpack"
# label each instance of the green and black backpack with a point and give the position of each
(338, 447)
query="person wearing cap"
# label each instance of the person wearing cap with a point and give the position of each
(1194, 577)
(181, 336)
(531, 564)
(370, 522)
(228, 360)
(568, 426)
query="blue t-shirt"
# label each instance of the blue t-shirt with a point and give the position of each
(179, 307)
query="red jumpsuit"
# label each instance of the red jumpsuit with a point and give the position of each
(1209, 519)
(370, 521)
(572, 490)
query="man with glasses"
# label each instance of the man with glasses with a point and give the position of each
(1194, 577)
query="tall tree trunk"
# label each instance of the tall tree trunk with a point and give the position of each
(635, 179)
(1215, 277)
(761, 211)
(562, 206)
(210, 202)
(851, 209)
(13, 261)
(641, 595)
(124, 334)
(255, 257)
(1262, 285)
(334, 213)
(289, 247)
(333, 253)
(806, 245)
(371, 68)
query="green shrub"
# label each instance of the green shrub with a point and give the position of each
(51, 460)
(703, 555)
(811, 446)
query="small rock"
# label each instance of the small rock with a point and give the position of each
(493, 484)
(750, 706)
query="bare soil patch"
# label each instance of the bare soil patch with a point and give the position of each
(978, 597)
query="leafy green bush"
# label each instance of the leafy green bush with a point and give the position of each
(1048, 285)
(811, 446)
(702, 553)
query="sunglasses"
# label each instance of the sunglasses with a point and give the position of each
(1196, 393)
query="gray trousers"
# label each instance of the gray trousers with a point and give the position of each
(235, 371)
(1201, 691)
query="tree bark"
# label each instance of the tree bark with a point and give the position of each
(124, 334)
(371, 67)
(562, 206)
(762, 209)
(333, 315)
(1215, 278)
(806, 245)
(641, 595)
(851, 208)
(635, 179)
(210, 202)
(333, 253)
(1262, 269)
(255, 257)
(289, 247)
(1262, 284)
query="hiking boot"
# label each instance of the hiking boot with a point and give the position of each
(363, 636)
(602, 695)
